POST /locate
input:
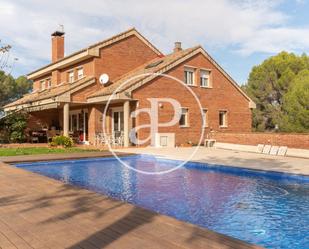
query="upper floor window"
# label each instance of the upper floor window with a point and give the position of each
(189, 76)
(48, 83)
(71, 76)
(205, 117)
(42, 84)
(80, 73)
(223, 118)
(183, 121)
(204, 78)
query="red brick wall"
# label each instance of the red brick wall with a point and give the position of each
(115, 60)
(222, 96)
(300, 141)
(122, 57)
(36, 82)
(87, 66)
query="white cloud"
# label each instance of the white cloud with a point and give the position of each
(244, 25)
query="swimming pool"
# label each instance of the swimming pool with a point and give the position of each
(268, 209)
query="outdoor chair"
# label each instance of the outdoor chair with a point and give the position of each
(50, 134)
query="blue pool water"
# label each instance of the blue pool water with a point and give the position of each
(268, 209)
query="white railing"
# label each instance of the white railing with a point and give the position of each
(114, 139)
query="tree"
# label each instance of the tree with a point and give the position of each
(268, 84)
(12, 89)
(296, 105)
(12, 127)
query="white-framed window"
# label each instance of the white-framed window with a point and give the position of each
(48, 81)
(183, 121)
(80, 73)
(205, 118)
(223, 118)
(189, 76)
(71, 76)
(42, 84)
(204, 78)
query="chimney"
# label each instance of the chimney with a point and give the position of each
(57, 45)
(177, 47)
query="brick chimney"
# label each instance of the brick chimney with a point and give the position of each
(177, 47)
(57, 45)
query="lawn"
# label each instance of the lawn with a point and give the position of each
(39, 150)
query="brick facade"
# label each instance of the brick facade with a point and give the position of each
(222, 96)
(122, 56)
(300, 141)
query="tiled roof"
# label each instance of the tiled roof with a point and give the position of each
(51, 92)
(153, 66)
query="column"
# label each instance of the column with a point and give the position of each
(126, 118)
(94, 123)
(66, 116)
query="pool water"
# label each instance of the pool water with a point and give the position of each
(268, 209)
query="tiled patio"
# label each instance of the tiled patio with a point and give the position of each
(39, 212)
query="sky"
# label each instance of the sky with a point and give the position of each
(238, 34)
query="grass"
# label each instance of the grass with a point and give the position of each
(40, 150)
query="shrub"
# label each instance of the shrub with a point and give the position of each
(13, 127)
(62, 140)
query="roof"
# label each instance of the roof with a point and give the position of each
(91, 51)
(154, 68)
(52, 92)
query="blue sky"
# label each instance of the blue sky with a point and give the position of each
(237, 33)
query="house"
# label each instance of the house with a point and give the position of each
(68, 93)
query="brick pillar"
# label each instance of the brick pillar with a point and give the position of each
(94, 122)
(56, 77)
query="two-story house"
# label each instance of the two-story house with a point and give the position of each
(70, 94)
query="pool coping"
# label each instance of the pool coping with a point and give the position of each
(219, 240)
(229, 168)
(59, 156)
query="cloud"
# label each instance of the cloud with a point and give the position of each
(243, 26)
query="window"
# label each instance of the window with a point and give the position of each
(48, 83)
(42, 82)
(223, 118)
(189, 76)
(205, 117)
(183, 121)
(80, 73)
(204, 78)
(71, 76)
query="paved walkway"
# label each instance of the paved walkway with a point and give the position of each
(249, 160)
(39, 212)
